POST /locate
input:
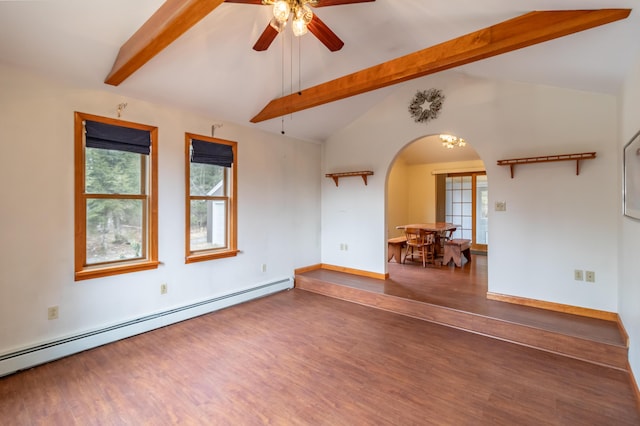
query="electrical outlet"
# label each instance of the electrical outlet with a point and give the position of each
(52, 312)
(590, 276)
(263, 268)
(577, 275)
(163, 288)
(501, 206)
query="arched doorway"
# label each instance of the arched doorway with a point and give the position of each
(429, 182)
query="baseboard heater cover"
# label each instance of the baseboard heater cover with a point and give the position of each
(50, 351)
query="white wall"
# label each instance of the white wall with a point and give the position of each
(397, 198)
(278, 219)
(629, 300)
(555, 221)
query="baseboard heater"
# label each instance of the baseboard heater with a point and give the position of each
(46, 352)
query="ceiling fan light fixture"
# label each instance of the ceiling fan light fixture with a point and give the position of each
(450, 141)
(302, 15)
(303, 20)
(305, 12)
(299, 27)
(277, 25)
(281, 10)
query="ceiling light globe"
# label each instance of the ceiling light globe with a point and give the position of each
(299, 27)
(277, 25)
(306, 14)
(281, 11)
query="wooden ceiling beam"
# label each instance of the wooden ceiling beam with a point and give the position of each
(168, 23)
(522, 31)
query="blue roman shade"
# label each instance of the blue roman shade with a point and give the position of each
(211, 153)
(109, 136)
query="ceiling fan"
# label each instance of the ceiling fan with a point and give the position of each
(302, 20)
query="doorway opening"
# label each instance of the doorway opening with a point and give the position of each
(429, 183)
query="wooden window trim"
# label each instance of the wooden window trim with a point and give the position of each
(83, 271)
(232, 219)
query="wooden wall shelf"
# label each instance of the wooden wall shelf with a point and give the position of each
(336, 176)
(548, 158)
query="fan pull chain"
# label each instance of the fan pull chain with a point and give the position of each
(291, 64)
(291, 67)
(282, 43)
(299, 68)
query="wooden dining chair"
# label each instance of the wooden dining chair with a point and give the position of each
(421, 244)
(446, 236)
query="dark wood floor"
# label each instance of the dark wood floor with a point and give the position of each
(465, 289)
(298, 358)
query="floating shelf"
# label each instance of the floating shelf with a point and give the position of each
(336, 176)
(548, 158)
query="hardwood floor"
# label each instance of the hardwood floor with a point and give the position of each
(457, 297)
(465, 289)
(298, 358)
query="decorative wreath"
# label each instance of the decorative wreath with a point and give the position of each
(434, 98)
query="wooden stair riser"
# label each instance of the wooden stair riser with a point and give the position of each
(608, 355)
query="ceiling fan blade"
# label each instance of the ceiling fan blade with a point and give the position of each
(245, 1)
(323, 3)
(316, 3)
(324, 34)
(266, 38)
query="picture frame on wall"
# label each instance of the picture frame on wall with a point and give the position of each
(631, 184)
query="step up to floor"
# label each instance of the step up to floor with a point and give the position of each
(598, 352)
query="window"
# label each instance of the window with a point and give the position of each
(211, 170)
(116, 207)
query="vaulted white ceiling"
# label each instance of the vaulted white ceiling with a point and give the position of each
(213, 70)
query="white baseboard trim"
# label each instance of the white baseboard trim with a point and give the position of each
(50, 351)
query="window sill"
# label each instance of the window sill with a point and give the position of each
(201, 257)
(90, 273)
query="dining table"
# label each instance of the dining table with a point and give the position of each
(437, 227)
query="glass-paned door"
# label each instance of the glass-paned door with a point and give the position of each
(459, 204)
(466, 205)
